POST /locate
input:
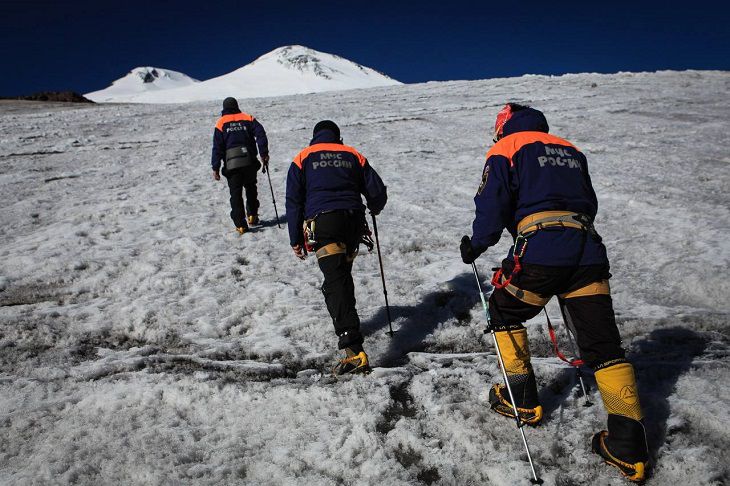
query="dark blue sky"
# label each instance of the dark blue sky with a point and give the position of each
(84, 45)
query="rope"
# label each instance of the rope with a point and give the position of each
(554, 339)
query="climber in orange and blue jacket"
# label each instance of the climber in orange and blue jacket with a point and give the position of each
(537, 186)
(238, 139)
(325, 214)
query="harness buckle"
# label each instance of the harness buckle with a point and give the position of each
(520, 246)
(309, 237)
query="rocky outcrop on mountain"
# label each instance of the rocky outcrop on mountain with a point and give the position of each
(64, 96)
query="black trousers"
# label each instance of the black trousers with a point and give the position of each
(238, 180)
(343, 227)
(597, 337)
(593, 318)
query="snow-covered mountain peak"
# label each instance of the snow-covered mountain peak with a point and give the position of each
(286, 54)
(304, 59)
(152, 74)
(142, 80)
(287, 51)
(286, 70)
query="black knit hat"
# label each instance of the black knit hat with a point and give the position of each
(326, 125)
(230, 104)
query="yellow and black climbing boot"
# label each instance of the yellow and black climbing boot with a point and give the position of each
(500, 403)
(352, 363)
(241, 230)
(253, 219)
(634, 470)
(623, 445)
(515, 352)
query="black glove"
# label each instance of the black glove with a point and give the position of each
(468, 255)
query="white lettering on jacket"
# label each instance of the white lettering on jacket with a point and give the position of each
(332, 163)
(559, 157)
(235, 127)
(329, 159)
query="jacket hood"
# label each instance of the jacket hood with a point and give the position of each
(325, 136)
(527, 120)
(230, 111)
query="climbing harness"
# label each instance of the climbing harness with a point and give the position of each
(527, 228)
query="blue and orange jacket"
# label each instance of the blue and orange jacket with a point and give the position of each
(529, 171)
(328, 176)
(237, 129)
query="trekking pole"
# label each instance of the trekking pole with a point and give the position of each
(490, 329)
(382, 277)
(569, 328)
(273, 200)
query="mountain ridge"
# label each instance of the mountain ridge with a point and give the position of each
(287, 70)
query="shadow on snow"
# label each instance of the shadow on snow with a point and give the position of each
(413, 324)
(660, 360)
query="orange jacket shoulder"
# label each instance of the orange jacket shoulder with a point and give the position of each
(232, 117)
(327, 147)
(511, 144)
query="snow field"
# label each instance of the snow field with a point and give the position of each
(143, 342)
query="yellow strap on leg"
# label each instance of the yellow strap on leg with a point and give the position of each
(515, 351)
(331, 249)
(600, 287)
(617, 384)
(335, 249)
(525, 296)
